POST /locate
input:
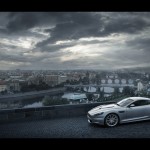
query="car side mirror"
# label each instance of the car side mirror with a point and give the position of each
(132, 105)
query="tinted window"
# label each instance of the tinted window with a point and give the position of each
(125, 102)
(141, 102)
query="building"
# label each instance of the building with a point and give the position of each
(15, 77)
(73, 77)
(62, 79)
(13, 86)
(35, 80)
(3, 86)
(51, 80)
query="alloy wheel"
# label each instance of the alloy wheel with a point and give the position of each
(111, 120)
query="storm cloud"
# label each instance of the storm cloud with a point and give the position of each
(74, 40)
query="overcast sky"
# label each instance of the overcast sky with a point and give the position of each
(74, 40)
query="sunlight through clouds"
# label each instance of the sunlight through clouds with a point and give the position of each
(74, 40)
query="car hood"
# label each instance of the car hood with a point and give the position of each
(102, 108)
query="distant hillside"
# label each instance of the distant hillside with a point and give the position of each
(141, 69)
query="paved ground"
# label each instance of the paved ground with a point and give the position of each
(76, 127)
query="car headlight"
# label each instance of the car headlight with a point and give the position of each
(98, 114)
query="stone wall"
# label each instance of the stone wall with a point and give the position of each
(51, 112)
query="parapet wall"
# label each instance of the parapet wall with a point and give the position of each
(51, 112)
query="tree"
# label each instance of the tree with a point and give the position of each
(85, 80)
(2, 92)
(48, 101)
(102, 93)
(67, 81)
(132, 92)
(90, 96)
(116, 91)
(126, 90)
(82, 89)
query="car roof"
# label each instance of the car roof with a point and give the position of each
(139, 98)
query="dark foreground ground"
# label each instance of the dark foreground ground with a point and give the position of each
(76, 127)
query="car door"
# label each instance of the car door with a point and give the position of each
(140, 110)
(147, 109)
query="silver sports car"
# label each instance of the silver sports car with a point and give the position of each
(127, 110)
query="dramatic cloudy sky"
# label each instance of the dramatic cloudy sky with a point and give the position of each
(74, 40)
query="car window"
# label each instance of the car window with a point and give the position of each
(141, 102)
(125, 102)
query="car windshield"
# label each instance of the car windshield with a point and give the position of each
(125, 102)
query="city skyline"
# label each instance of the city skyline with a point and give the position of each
(74, 40)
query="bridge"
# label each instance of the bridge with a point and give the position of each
(79, 86)
(101, 85)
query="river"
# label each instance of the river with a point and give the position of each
(37, 102)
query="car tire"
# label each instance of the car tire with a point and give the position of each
(111, 120)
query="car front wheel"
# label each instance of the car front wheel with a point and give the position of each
(111, 120)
